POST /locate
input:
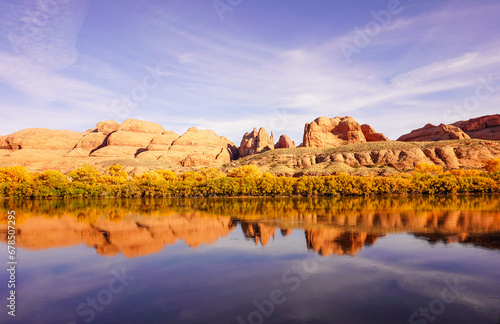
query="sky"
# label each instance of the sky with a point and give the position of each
(231, 65)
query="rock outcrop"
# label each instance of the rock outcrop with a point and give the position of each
(256, 142)
(333, 132)
(194, 148)
(371, 135)
(285, 142)
(486, 127)
(434, 133)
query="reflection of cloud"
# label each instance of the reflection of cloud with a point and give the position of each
(46, 31)
(397, 274)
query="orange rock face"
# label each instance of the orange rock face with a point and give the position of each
(256, 142)
(434, 133)
(285, 142)
(486, 127)
(333, 132)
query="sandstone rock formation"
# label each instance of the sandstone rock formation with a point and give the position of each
(194, 148)
(333, 132)
(40, 139)
(486, 127)
(434, 133)
(256, 142)
(140, 126)
(107, 127)
(285, 142)
(131, 138)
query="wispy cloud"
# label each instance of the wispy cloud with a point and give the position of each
(218, 79)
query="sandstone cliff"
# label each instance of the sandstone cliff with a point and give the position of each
(434, 133)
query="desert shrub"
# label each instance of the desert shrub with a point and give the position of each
(52, 177)
(16, 174)
(192, 176)
(86, 174)
(493, 165)
(211, 173)
(245, 171)
(167, 175)
(116, 175)
(428, 169)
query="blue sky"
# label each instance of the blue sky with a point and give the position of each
(231, 65)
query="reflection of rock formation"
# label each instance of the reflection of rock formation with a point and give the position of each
(258, 232)
(328, 241)
(132, 238)
(488, 241)
(142, 227)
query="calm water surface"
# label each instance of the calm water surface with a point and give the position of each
(309, 260)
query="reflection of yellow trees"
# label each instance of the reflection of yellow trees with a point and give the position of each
(87, 182)
(386, 212)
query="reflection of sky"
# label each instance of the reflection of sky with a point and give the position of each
(384, 283)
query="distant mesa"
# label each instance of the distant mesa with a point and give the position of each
(434, 133)
(256, 142)
(338, 131)
(486, 127)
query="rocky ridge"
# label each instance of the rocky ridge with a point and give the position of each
(330, 145)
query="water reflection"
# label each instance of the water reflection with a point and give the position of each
(341, 226)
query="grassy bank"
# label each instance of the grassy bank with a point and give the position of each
(87, 181)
